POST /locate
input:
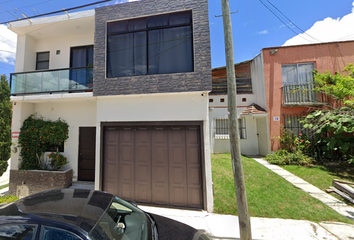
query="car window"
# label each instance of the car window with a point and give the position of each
(121, 221)
(20, 232)
(49, 233)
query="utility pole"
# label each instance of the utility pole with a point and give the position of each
(239, 180)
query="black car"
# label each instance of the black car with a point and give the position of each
(74, 214)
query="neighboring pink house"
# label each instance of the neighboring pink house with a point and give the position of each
(288, 81)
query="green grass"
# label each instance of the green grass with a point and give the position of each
(8, 199)
(322, 176)
(4, 186)
(268, 194)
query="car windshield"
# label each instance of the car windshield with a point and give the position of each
(122, 221)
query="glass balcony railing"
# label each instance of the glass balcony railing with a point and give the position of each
(49, 81)
(302, 94)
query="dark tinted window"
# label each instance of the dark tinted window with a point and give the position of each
(49, 233)
(20, 232)
(42, 61)
(150, 45)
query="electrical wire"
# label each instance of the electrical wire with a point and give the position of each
(59, 11)
(280, 19)
(293, 22)
(31, 7)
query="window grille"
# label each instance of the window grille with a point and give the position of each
(222, 128)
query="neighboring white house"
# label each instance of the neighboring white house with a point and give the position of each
(251, 109)
(132, 82)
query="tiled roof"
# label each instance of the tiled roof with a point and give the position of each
(254, 109)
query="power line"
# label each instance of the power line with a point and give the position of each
(7, 51)
(280, 19)
(59, 11)
(292, 21)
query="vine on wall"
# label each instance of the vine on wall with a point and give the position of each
(36, 136)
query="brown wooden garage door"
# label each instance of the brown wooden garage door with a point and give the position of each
(158, 165)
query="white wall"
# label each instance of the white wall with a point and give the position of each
(258, 83)
(64, 44)
(20, 112)
(24, 54)
(76, 114)
(190, 106)
(27, 48)
(79, 113)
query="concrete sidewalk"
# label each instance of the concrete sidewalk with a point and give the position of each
(218, 226)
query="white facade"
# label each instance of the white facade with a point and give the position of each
(256, 138)
(57, 35)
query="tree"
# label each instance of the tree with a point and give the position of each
(339, 86)
(333, 129)
(5, 124)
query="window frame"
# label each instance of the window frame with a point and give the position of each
(147, 29)
(297, 73)
(37, 61)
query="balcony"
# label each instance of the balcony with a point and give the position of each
(52, 81)
(302, 95)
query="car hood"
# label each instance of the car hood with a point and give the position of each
(174, 230)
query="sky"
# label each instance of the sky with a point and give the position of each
(256, 24)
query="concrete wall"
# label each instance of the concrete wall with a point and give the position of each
(156, 107)
(328, 56)
(77, 113)
(44, 36)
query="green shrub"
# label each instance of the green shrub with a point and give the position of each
(283, 157)
(36, 136)
(57, 160)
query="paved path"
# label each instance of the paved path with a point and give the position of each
(315, 192)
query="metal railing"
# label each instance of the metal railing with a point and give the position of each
(302, 94)
(54, 80)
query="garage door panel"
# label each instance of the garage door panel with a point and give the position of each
(194, 196)
(194, 177)
(178, 196)
(143, 192)
(126, 189)
(160, 165)
(159, 194)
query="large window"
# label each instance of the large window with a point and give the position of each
(295, 74)
(150, 45)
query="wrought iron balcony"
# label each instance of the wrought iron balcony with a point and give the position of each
(50, 81)
(302, 95)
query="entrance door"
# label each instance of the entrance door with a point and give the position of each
(87, 151)
(262, 136)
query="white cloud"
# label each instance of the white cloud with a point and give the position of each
(327, 30)
(8, 41)
(264, 32)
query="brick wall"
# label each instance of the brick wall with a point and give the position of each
(34, 181)
(199, 80)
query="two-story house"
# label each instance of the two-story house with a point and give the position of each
(274, 90)
(251, 109)
(288, 76)
(132, 82)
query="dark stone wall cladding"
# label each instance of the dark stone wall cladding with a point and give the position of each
(199, 80)
(37, 181)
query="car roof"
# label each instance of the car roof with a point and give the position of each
(79, 207)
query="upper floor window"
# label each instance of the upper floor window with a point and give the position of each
(150, 45)
(42, 61)
(295, 74)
